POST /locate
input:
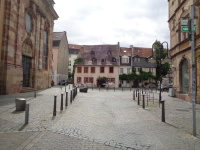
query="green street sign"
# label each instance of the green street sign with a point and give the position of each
(185, 28)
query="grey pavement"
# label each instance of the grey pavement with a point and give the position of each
(97, 120)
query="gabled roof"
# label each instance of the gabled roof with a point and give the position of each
(74, 46)
(142, 52)
(57, 36)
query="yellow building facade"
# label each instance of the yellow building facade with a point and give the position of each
(180, 51)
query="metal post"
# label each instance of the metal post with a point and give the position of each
(193, 70)
(66, 100)
(69, 86)
(27, 114)
(61, 102)
(54, 106)
(71, 96)
(163, 110)
(143, 101)
(133, 95)
(138, 98)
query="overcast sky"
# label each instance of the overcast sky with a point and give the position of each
(130, 22)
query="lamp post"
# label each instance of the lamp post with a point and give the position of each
(161, 58)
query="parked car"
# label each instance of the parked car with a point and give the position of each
(63, 82)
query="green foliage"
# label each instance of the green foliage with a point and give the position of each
(160, 53)
(78, 60)
(101, 80)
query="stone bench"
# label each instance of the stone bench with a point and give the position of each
(20, 104)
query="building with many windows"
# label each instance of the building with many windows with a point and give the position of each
(60, 57)
(140, 61)
(26, 29)
(125, 64)
(180, 51)
(98, 61)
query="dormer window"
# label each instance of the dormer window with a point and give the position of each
(109, 52)
(125, 59)
(103, 60)
(94, 60)
(92, 52)
(113, 59)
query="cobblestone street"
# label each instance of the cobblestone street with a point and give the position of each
(97, 120)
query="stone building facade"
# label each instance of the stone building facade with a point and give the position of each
(60, 57)
(180, 51)
(26, 29)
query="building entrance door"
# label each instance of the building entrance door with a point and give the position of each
(185, 77)
(26, 62)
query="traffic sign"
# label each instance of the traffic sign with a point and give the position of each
(185, 28)
(184, 22)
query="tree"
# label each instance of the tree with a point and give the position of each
(160, 53)
(76, 61)
(101, 81)
(145, 76)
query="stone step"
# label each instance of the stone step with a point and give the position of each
(27, 89)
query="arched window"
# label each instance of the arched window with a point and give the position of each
(45, 50)
(28, 22)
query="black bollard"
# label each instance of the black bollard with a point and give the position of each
(66, 100)
(71, 96)
(61, 102)
(99, 87)
(133, 95)
(27, 114)
(143, 101)
(138, 98)
(54, 107)
(163, 110)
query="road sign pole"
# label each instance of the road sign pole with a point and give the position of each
(193, 70)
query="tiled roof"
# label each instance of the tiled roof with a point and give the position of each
(57, 36)
(95, 53)
(74, 46)
(142, 52)
(125, 51)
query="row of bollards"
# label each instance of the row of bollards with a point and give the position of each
(73, 94)
(148, 95)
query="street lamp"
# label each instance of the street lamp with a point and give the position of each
(161, 60)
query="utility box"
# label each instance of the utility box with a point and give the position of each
(172, 92)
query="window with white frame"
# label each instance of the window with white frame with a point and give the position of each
(125, 59)
(121, 70)
(128, 70)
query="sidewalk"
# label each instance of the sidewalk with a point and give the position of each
(97, 120)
